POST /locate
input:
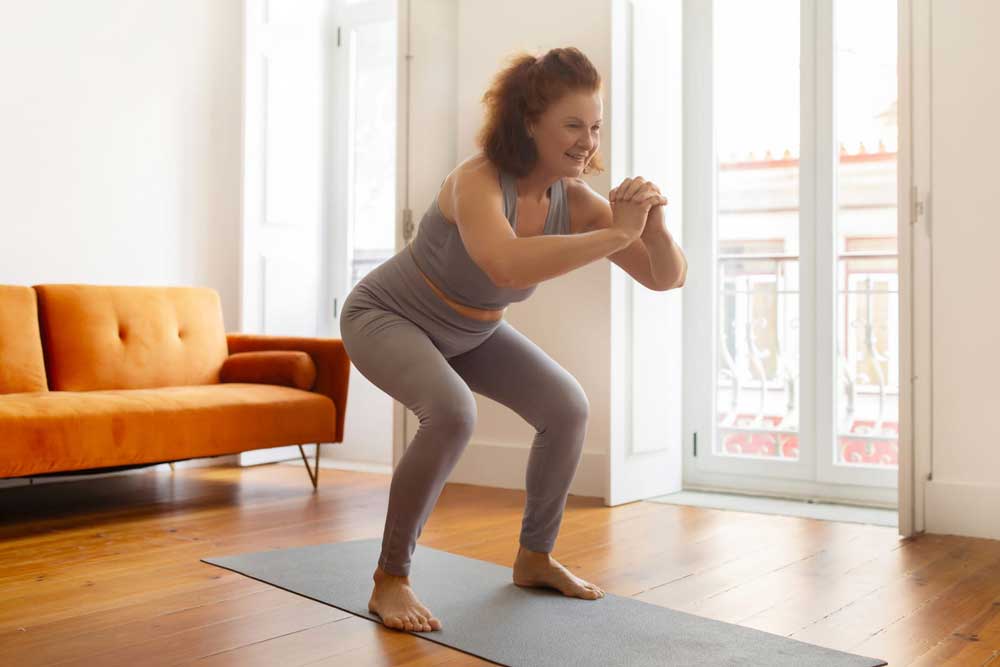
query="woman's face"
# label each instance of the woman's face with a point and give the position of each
(569, 129)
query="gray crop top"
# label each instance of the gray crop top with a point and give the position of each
(439, 252)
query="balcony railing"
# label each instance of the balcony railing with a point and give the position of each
(758, 380)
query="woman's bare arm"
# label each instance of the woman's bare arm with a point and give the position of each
(512, 261)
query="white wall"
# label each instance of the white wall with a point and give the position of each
(964, 496)
(120, 143)
(120, 135)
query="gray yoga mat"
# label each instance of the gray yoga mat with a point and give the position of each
(484, 613)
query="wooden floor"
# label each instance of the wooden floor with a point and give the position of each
(106, 572)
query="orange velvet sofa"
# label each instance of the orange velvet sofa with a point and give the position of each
(95, 377)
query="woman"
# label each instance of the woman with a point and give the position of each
(427, 327)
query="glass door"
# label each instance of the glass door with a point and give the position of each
(794, 363)
(363, 142)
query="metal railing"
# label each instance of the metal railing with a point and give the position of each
(743, 374)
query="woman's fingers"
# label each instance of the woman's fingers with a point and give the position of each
(636, 189)
(653, 199)
(618, 194)
(642, 192)
(635, 186)
(650, 198)
(626, 189)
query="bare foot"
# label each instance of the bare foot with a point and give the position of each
(397, 605)
(539, 569)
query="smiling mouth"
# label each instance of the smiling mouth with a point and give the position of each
(575, 158)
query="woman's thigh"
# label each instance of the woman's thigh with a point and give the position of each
(514, 371)
(399, 358)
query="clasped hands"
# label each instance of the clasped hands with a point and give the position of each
(631, 203)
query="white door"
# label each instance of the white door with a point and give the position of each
(792, 303)
(646, 337)
(286, 46)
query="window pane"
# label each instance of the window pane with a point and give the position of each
(757, 143)
(372, 165)
(867, 399)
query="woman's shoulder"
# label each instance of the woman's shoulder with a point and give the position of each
(586, 206)
(476, 171)
(476, 175)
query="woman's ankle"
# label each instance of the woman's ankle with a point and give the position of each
(524, 552)
(383, 576)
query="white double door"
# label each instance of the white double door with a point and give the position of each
(792, 339)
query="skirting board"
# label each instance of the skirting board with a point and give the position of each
(485, 464)
(482, 464)
(504, 466)
(958, 508)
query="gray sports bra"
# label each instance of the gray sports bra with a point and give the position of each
(439, 252)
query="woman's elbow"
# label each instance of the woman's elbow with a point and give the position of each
(679, 282)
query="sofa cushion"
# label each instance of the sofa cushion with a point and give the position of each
(284, 367)
(22, 365)
(61, 431)
(126, 337)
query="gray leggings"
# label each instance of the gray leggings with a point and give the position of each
(412, 345)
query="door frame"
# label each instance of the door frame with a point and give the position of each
(915, 252)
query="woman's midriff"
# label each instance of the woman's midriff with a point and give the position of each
(468, 311)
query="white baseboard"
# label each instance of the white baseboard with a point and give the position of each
(486, 464)
(957, 508)
(482, 464)
(344, 464)
(255, 457)
(504, 466)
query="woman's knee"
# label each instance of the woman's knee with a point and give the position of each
(570, 407)
(454, 415)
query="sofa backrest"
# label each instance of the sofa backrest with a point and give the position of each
(22, 365)
(124, 337)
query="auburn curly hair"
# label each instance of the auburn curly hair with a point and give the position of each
(523, 91)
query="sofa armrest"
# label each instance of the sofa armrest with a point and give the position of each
(333, 367)
(289, 368)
